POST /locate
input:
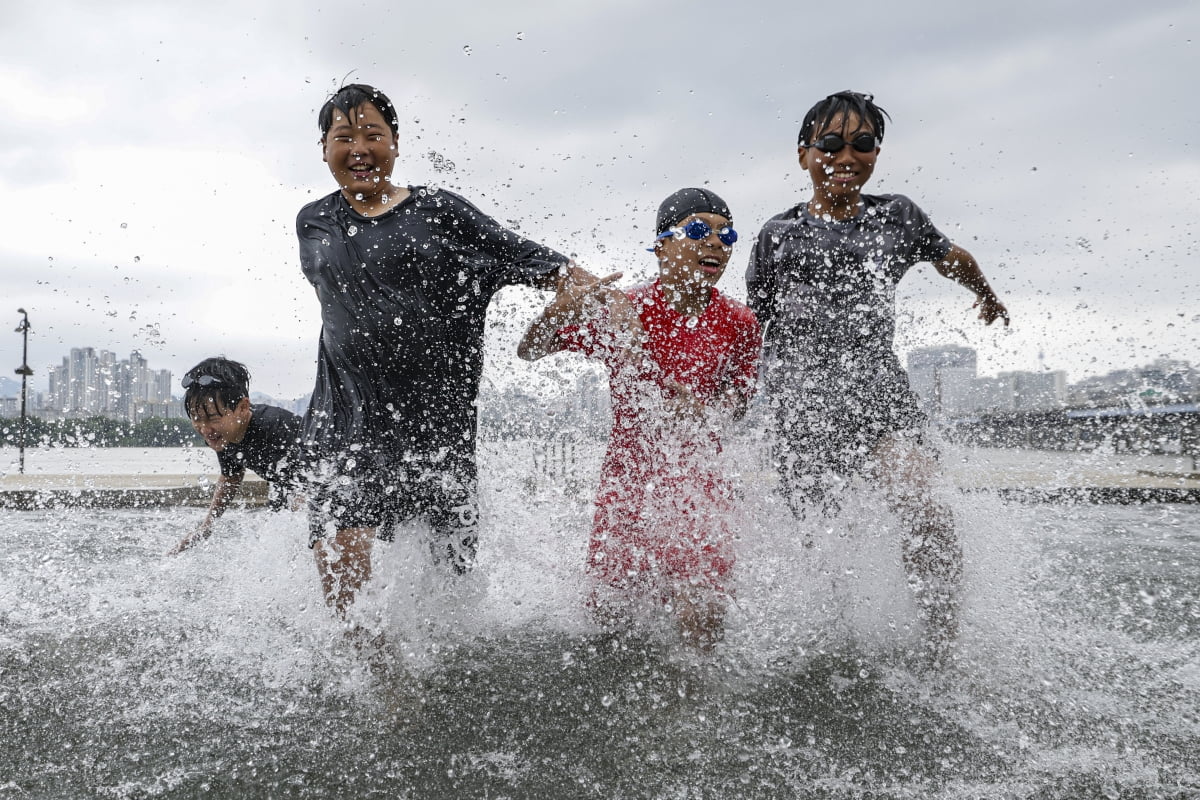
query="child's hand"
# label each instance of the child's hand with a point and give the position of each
(991, 309)
(577, 293)
(191, 540)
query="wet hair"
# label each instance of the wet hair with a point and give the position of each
(231, 383)
(843, 104)
(350, 97)
(686, 202)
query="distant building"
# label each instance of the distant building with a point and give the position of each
(1162, 381)
(996, 395)
(1036, 391)
(943, 378)
(89, 384)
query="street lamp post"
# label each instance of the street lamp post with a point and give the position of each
(24, 371)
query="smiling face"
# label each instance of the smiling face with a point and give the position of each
(693, 263)
(838, 178)
(219, 424)
(360, 150)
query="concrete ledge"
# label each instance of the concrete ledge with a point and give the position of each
(28, 493)
(254, 493)
(1097, 495)
(81, 479)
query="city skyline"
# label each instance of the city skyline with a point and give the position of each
(91, 380)
(946, 379)
(96, 382)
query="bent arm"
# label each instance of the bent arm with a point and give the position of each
(575, 293)
(511, 257)
(550, 281)
(226, 490)
(962, 268)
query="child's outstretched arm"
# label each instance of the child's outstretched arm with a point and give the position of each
(574, 294)
(962, 268)
(226, 490)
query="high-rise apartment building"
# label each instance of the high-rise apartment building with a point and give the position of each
(944, 378)
(88, 383)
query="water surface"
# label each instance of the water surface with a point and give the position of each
(126, 673)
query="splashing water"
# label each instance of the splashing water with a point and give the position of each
(126, 673)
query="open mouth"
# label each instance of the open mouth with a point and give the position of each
(711, 264)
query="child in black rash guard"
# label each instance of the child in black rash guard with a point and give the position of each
(404, 275)
(263, 439)
(822, 280)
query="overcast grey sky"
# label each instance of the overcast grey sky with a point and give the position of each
(153, 156)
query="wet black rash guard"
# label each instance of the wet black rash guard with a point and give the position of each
(403, 300)
(270, 448)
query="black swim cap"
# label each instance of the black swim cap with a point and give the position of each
(686, 202)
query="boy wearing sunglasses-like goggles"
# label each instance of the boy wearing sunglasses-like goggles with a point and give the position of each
(822, 280)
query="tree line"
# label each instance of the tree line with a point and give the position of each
(99, 432)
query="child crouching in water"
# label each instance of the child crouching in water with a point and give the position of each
(682, 360)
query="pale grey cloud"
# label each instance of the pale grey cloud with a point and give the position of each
(1058, 145)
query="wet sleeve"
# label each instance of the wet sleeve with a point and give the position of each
(231, 461)
(313, 232)
(760, 284)
(928, 243)
(277, 444)
(496, 255)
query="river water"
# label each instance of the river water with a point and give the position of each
(127, 673)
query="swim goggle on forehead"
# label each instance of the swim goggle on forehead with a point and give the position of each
(200, 380)
(699, 229)
(833, 143)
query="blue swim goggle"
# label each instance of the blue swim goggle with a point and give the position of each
(699, 229)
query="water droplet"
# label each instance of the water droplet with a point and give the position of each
(124, 225)
(466, 49)
(352, 230)
(520, 35)
(606, 701)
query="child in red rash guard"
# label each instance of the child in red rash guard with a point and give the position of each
(682, 361)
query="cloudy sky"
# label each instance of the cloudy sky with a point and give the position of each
(153, 156)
